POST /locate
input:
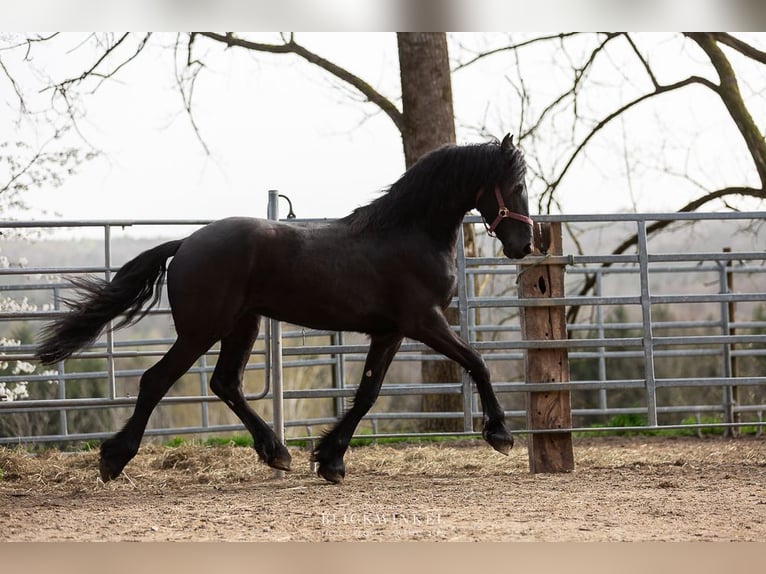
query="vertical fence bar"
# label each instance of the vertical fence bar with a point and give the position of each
(736, 415)
(726, 285)
(338, 373)
(204, 414)
(109, 333)
(462, 301)
(646, 314)
(474, 320)
(275, 348)
(600, 333)
(61, 391)
(728, 414)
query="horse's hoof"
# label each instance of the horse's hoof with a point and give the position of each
(274, 454)
(281, 460)
(332, 472)
(500, 439)
(114, 456)
(108, 470)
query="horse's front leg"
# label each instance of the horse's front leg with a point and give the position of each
(434, 331)
(331, 448)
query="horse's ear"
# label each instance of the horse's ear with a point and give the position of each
(507, 143)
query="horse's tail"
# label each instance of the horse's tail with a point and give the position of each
(99, 301)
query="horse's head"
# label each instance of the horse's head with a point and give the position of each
(504, 206)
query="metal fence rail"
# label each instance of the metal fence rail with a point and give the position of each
(620, 345)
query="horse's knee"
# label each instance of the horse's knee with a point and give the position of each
(364, 400)
(479, 372)
(153, 383)
(223, 387)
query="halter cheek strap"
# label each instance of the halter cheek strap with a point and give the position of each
(502, 213)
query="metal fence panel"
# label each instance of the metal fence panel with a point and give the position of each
(623, 346)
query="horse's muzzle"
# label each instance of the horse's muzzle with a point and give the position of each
(518, 254)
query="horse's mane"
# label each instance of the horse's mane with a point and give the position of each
(444, 181)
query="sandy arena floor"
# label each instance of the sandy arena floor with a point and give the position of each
(623, 489)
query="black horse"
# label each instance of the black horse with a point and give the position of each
(387, 270)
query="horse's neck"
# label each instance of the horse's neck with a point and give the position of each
(446, 234)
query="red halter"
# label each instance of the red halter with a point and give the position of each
(502, 213)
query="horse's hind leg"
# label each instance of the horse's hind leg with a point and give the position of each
(227, 384)
(116, 452)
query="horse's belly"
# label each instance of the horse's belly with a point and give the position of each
(316, 307)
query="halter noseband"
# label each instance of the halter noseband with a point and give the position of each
(502, 213)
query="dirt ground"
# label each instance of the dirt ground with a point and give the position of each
(624, 489)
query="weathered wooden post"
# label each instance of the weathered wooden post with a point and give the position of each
(548, 452)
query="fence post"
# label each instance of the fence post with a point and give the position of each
(548, 452)
(275, 348)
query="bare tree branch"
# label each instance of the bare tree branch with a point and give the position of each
(126, 61)
(643, 61)
(19, 95)
(187, 93)
(62, 87)
(513, 47)
(728, 90)
(92, 70)
(742, 47)
(290, 46)
(23, 170)
(28, 42)
(661, 89)
(579, 74)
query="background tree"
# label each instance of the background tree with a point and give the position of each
(605, 84)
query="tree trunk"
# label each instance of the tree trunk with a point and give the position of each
(426, 93)
(428, 123)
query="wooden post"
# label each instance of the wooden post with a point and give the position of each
(548, 452)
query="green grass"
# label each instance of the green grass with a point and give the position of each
(90, 445)
(629, 420)
(247, 441)
(637, 420)
(715, 431)
(601, 429)
(362, 441)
